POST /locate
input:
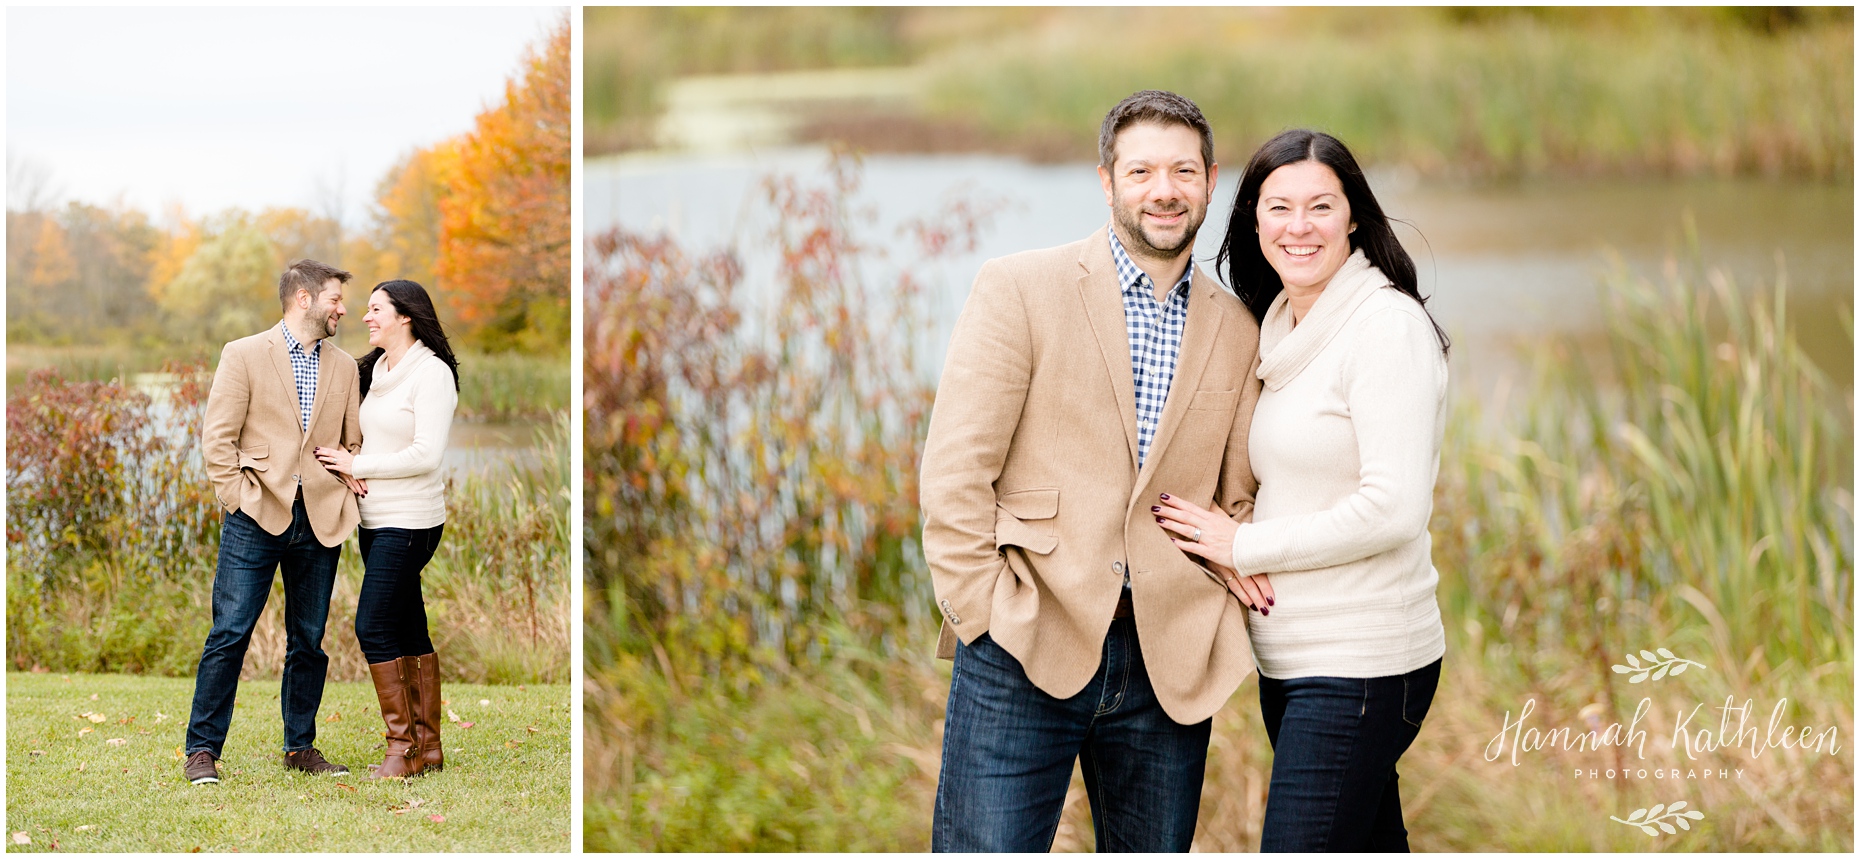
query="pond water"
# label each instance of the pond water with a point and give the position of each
(472, 446)
(1505, 264)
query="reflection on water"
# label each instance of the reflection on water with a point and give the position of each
(1504, 263)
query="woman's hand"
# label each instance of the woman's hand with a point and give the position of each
(1210, 536)
(337, 460)
(357, 485)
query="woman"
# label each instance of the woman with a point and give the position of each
(409, 391)
(1346, 445)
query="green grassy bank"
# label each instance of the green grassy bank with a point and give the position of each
(1456, 92)
(76, 782)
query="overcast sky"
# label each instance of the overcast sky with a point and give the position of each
(214, 108)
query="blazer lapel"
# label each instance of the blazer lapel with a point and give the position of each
(281, 363)
(324, 373)
(1104, 308)
(1199, 333)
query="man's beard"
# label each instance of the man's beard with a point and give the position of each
(1131, 221)
(321, 324)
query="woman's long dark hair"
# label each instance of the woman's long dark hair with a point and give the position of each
(1254, 279)
(410, 300)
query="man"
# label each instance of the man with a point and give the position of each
(276, 397)
(1083, 382)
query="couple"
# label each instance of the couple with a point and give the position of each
(302, 443)
(1113, 505)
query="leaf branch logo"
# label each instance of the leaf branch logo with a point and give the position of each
(1646, 819)
(1658, 666)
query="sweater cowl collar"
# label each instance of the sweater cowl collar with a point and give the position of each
(1284, 350)
(384, 382)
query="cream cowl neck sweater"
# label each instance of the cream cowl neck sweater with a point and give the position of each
(405, 420)
(1346, 446)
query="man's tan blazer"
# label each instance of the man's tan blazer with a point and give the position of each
(1033, 505)
(254, 444)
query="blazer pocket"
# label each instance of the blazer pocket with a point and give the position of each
(1016, 511)
(255, 457)
(1218, 401)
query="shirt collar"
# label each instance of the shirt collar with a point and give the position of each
(291, 341)
(1132, 279)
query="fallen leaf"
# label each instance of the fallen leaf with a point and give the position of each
(93, 696)
(83, 731)
(532, 729)
(159, 716)
(96, 718)
(467, 724)
(36, 752)
(86, 828)
(334, 717)
(519, 688)
(484, 702)
(178, 755)
(21, 838)
(452, 716)
(81, 766)
(116, 741)
(436, 818)
(510, 744)
(348, 787)
(415, 803)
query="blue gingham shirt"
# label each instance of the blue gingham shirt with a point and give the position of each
(303, 368)
(1155, 330)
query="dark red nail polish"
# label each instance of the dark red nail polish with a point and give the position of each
(1265, 611)
(1165, 496)
(1269, 601)
(1155, 509)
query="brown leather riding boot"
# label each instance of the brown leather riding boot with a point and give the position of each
(430, 708)
(394, 688)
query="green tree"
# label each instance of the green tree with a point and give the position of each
(228, 287)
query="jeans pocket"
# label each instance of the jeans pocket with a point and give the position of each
(1417, 688)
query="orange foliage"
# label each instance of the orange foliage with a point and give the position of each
(503, 255)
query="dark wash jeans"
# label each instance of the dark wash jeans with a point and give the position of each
(390, 614)
(248, 558)
(1008, 750)
(1335, 741)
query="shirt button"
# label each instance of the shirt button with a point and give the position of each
(1117, 567)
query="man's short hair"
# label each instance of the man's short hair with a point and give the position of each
(1157, 106)
(309, 276)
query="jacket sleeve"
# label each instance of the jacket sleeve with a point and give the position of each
(978, 405)
(351, 412)
(434, 401)
(1395, 384)
(1238, 486)
(227, 402)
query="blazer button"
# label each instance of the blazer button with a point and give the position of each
(1117, 567)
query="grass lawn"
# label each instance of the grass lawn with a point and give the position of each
(93, 763)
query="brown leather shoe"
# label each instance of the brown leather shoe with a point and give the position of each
(201, 768)
(428, 708)
(311, 761)
(394, 689)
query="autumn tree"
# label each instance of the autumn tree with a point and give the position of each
(227, 288)
(503, 253)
